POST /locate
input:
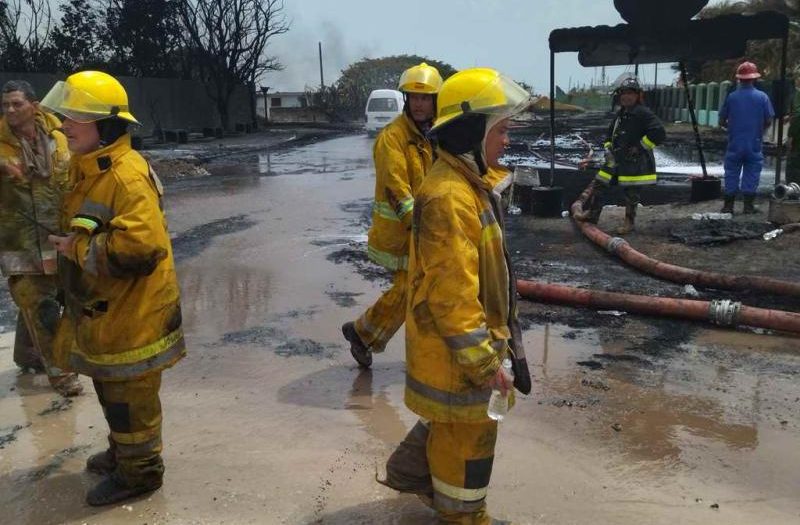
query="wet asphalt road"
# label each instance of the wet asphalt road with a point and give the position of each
(267, 420)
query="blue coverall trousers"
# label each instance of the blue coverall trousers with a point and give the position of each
(742, 164)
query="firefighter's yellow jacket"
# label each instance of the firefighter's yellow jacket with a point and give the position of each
(460, 307)
(120, 284)
(24, 248)
(402, 158)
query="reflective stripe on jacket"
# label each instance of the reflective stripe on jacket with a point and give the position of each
(120, 286)
(460, 310)
(633, 135)
(402, 158)
(24, 248)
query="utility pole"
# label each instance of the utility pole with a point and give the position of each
(264, 90)
(321, 77)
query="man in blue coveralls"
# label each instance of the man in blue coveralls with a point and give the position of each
(747, 112)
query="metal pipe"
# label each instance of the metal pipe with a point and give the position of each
(655, 77)
(781, 104)
(552, 116)
(690, 102)
(321, 76)
(787, 191)
(722, 313)
(620, 247)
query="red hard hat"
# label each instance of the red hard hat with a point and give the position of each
(747, 71)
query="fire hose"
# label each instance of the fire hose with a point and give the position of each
(679, 274)
(721, 312)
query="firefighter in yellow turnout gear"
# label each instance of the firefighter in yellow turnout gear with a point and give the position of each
(123, 316)
(34, 162)
(402, 156)
(461, 317)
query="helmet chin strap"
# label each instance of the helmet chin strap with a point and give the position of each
(480, 158)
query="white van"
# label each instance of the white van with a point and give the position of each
(383, 106)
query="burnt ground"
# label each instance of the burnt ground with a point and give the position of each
(632, 419)
(554, 251)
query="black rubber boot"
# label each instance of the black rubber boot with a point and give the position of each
(113, 489)
(25, 355)
(68, 385)
(627, 226)
(103, 463)
(728, 206)
(358, 349)
(749, 205)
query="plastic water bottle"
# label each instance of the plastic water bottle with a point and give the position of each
(498, 403)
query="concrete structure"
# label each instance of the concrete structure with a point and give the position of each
(281, 99)
(288, 107)
(670, 103)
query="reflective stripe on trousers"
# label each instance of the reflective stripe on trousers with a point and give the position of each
(460, 456)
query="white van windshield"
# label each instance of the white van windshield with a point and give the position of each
(382, 104)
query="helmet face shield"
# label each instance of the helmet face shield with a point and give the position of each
(81, 106)
(500, 98)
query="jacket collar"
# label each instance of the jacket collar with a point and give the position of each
(43, 120)
(468, 169)
(101, 160)
(411, 125)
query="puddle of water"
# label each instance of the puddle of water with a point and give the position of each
(376, 398)
(695, 411)
(218, 299)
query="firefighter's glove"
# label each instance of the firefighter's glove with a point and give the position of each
(608, 153)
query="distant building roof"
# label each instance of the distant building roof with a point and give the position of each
(287, 94)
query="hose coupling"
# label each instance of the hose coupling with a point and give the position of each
(614, 243)
(724, 312)
(787, 191)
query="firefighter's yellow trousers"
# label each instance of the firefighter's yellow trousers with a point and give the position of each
(451, 461)
(384, 318)
(133, 411)
(39, 312)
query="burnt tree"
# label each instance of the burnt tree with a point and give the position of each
(227, 41)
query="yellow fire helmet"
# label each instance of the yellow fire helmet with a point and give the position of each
(89, 96)
(423, 79)
(479, 90)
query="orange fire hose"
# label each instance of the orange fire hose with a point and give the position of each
(722, 312)
(620, 247)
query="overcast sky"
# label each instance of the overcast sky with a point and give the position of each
(509, 35)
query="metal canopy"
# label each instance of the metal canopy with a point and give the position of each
(655, 39)
(717, 38)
